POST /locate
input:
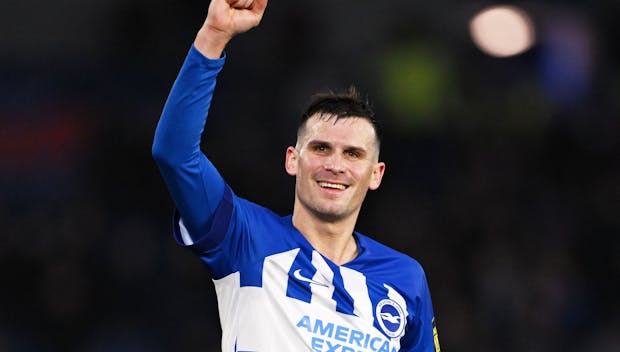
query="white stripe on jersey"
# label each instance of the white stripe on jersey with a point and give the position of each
(275, 271)
(323, 274)
(355, 284)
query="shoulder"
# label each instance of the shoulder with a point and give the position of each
(258, 222)
(254, 212)
(381, 251)
(381, 259)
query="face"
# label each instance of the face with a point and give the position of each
(335, 163)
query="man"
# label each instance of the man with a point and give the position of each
(305, 282)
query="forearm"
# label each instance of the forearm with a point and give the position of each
(177, 138)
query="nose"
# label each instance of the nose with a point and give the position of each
(334, 163)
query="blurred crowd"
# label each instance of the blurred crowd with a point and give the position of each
(502, 180)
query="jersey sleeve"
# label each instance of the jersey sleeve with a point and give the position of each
(193, 182)
(423, 335)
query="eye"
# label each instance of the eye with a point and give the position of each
(320, 148)
(354, 154)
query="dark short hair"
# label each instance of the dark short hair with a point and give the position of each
(339, 105)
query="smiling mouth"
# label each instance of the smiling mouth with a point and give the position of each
(330, 185)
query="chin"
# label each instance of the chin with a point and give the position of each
(330, 215)
(325, 210)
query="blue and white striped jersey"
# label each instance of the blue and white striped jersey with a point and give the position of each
(276, 293)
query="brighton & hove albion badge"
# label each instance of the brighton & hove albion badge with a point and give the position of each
(391, 318)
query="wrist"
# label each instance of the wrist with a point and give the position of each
(211, 42)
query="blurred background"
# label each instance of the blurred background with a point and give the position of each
(502, 175)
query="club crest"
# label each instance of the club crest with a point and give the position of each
(391, 318)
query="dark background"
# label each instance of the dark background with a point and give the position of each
(502, 174)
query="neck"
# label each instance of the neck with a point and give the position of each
(333, 239)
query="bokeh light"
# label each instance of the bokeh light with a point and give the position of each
(416, 80)
(502, 31)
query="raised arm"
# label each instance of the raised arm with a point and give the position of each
(193, 182)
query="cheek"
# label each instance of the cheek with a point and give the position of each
(307, 165)
(365, 175)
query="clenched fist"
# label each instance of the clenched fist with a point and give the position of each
(227, 18)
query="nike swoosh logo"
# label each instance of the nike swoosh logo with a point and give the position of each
(298, 276)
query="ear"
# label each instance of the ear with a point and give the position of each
(377, 175)
(291, 161)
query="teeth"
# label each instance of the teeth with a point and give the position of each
(332, 185)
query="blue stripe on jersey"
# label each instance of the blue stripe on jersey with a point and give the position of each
(296, 288)
(252, 275)
(344, 301)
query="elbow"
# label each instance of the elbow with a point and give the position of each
(168, 156)
(158, 152)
